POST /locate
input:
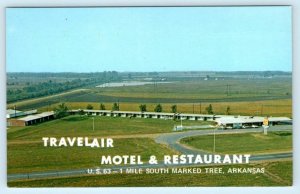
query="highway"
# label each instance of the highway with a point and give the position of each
(171, 140)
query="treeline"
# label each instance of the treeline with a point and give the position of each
(60, 75)
(49, 87)
(256, 73)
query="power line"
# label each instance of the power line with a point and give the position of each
(193, 108)
(200, 107)
(228, 89)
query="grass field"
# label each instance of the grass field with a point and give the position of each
(46, 101)
(268, 107)
(253, 143)
(245, 97)
(104, 127)
(271, 97)
(240, 89)
(272, 177)
(33, 157)
(27, 154)
(210, 89)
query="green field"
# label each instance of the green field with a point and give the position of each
(240, 89)
(244, 96)
(272, 177)
(30, 85)
(254, 143)
(104, 127)
(267, 107)
(46, 101)
(132, 136)
(33, 157)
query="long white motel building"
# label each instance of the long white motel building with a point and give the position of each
(223, 121)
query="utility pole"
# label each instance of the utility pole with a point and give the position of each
(200, 107)
(181, 121)
(15, 107)
(48, 106)
(155, 89)
(93, 124)
(193, 108)
(228, 89)
(214, 140)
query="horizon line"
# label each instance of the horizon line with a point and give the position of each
(146, 71)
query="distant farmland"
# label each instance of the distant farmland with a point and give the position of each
(244, 96)
(226, 90)
(267, 107)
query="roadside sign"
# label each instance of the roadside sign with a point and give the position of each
(266, 122)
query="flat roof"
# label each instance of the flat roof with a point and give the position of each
(30, 118)
(248, 119)
(223, 119)
(37, 116)
(30, 111)
(149, 113)
(46, 114)
(12, 111)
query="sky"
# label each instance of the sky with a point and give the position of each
(142, 39)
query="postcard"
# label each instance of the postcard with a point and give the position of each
(149, 96)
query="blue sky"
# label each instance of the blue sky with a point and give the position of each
(149, 39)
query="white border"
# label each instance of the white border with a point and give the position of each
(295, 189)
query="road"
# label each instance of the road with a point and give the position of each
(171, 140)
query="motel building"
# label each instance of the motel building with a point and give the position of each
(153, 115)
(12, 113)
(31, 119)
(222, 121)
(238, 122)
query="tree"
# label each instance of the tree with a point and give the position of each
(209, 109)
(174, 108)
(81, 112)
(228, 110)
(143, 107)
(115, 106)
(61, 111)
(158, 108)
(89, 107)
(102, 106)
